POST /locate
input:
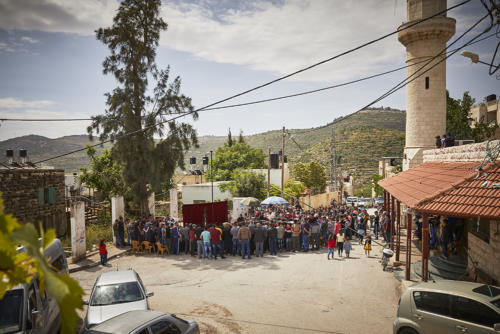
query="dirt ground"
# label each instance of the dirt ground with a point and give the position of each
(288, 293)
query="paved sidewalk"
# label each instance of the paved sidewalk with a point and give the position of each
(94, 259)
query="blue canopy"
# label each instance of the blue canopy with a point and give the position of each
(274, 200)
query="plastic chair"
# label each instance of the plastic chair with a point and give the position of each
(161, 249)
(147, 246)
(135, 246)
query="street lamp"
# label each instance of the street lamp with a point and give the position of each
(474, 57)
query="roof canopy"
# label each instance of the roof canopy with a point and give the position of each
(449, 189)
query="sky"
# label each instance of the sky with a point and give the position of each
(51, 62)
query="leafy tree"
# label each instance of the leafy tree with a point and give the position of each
(364, 191)
(21, 267)
(238, 156)
(229, 138)
(240, 137)
(147, 163)
(292, 190)
(312, 175)
(246, 184)
(105, 174)
(379, 191)
(459, 121)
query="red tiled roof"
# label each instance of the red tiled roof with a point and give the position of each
(470, 198)
(427, 180)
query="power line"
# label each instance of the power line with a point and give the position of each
(263, 100)
(262, 85)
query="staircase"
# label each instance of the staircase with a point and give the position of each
(453, 268)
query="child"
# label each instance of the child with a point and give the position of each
(340, 242)
(103, 252)
(368, 245)
(347, 247)
(331, 245)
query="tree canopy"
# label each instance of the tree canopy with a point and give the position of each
(105, 174)
(312, 175)
(246, 184)
(237, 156)
(459, 122)
(292, 190)
(148, 163)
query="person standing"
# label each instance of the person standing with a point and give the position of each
(205, 235)
(175, 239)
(288, 237)
(281, 236)
(347, 247)
(315, 233)
(121, 231)
(185, 239)
(368, 246)
(295, 236)
(215, 238)
(192, 240)
(234, 234)
(199, 241)
(244, 236)
(227, 239)
(331, 245)
(103, 252)
(272, 235)
(259, 237)
(376, 225)
(306, 231)
(116, 233)
(340, 243)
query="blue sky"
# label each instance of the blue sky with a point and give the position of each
(50, 61)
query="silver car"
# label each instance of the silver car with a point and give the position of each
(145, 322)
(114, 293)
(447, 307)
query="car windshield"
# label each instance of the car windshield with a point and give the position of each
(116, 294)
(352, 199)
(10, 311)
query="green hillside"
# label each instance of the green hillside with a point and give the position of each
(361, 139)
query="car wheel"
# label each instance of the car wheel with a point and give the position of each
(407, 330)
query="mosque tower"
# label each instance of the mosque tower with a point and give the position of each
(425, 96)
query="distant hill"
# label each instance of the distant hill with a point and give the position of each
(361, 139)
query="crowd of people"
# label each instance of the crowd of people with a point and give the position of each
(270, 229)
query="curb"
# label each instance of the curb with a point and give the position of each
(95, 264)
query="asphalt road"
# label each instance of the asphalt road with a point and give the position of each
(290, 293)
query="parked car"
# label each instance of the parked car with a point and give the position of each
(352, 201)
(366, 202)
(114, 293)
(447, 307)
(24, 309)
(145, 322)
(380, 200)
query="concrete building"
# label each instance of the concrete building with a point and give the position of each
(386, 166)
(426, 95)
(202, 193)
(34, 196)
(275, 174)
(487, 111)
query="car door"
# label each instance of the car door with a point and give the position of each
(432, 311)
(473, 317)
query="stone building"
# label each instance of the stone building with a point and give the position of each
(426, 95)
(35, 195)
(487, 111)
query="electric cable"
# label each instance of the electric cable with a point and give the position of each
(119, 136)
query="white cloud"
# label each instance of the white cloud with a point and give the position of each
(28, 39)
(6, 47)
(14, 104)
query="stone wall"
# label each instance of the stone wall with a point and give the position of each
(319, 200)
(487, 255)
(466, 153)
(22, 194)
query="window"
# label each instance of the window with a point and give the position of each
(46, 195)
(41, 196)
(426, 82)
(165, 327)
(52, 195)
(433, 302)
(144, 331)
(480, 228)
(472, 311)
(116, 294)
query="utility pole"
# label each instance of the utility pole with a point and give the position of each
(212, 175)
(269, 172)
(283, 161)
(333, 162)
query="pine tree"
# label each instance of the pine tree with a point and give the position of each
(240, 138)
(229, 138)
(148, 163)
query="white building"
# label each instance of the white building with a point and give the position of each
(275, 174)
(202, 193)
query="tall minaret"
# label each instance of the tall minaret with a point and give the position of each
(425, 96)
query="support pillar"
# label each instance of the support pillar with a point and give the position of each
(386, 201)
(393, 222)
(174, 205)
(78, 243)
(398, 231)
(408, 246)
(117, 210)
(425, 247)
(151, 205)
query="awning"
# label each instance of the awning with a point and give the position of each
(449, 189)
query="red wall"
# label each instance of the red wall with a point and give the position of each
(193, 213)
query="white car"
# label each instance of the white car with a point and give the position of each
(352, 201)
(114, 293)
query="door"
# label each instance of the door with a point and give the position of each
(431, 311)
(473, 317)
